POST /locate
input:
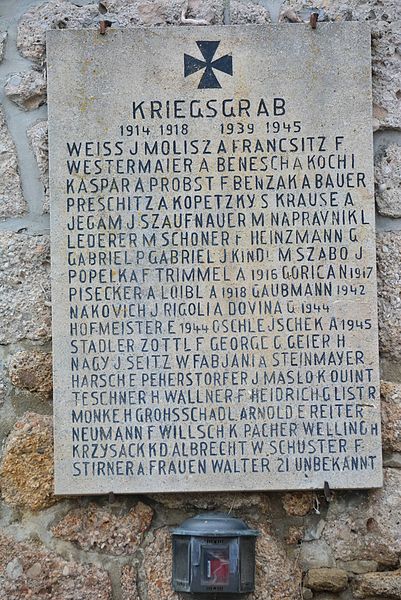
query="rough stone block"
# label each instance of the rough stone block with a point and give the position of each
(391, 416)
(385, 585)
(358, 567)
(61, 14)
(56, 14)
(26, 471)
(248, 12)
(26, 89)
(277, 576)
(295, 535)
(326, 580)
(314, 529)
(25, 287)
(298, 504)
(307, 594)
(386, 50)
(388, 180)
(349, 10)
(38, 139)
(129, 589)
(315, 554)
(157, 562)
(389, 293)
(3, 389)
(392, 460)
(3, 39)
(100, 530)
(12, 202)
(164, 12)
(29, 571)
(196, 8)
(367, 526)
(32, 371)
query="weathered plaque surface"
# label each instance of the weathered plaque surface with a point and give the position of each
(213, 259)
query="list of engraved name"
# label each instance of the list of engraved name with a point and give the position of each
(208, 280)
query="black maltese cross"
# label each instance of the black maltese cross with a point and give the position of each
(208, 79)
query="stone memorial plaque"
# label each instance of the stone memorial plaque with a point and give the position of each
(213, 259)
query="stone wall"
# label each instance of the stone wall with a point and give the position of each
(346, 546)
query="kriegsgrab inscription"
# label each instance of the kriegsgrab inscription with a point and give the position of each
(213, 259)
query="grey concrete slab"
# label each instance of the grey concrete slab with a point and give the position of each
(214, 288)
